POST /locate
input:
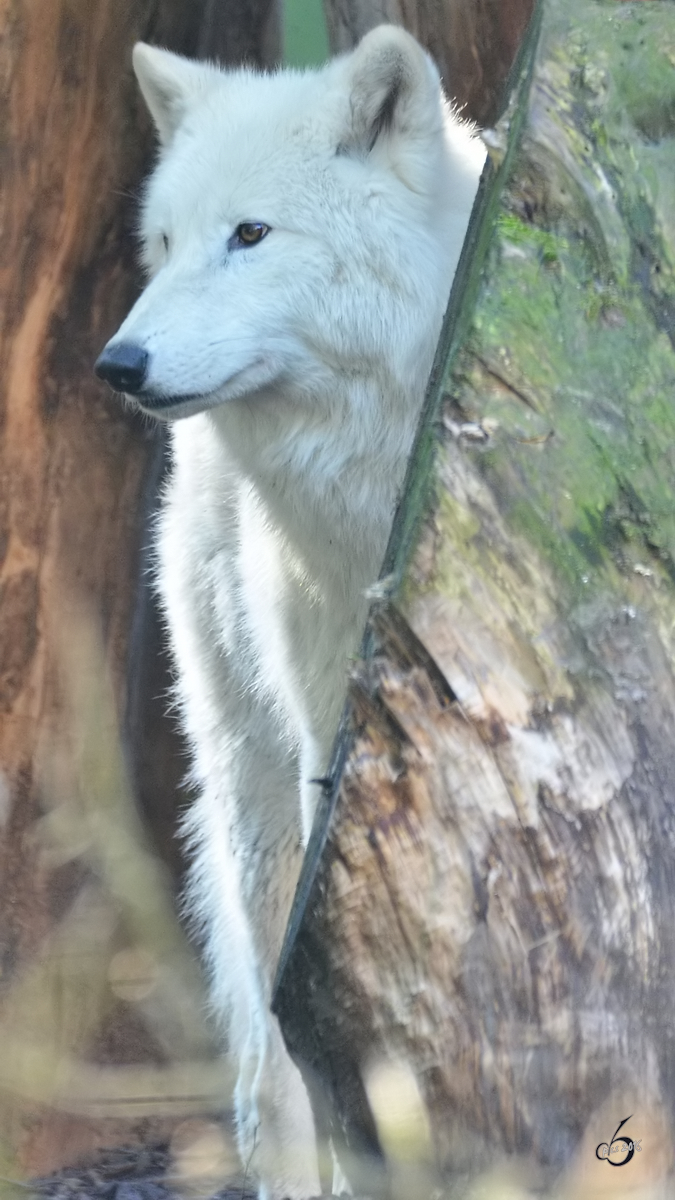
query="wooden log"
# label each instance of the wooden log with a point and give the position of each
(488, 896)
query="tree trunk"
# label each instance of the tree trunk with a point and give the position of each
(78, 480)
(489, 894)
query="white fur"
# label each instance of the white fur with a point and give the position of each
(304, 361)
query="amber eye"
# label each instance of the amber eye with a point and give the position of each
(249, 233)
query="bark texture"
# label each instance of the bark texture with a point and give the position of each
(241, 31)
(490, 893)
(473, 41)
(77, 481)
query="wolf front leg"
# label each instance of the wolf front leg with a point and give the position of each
(274, 1119)
(245, 829)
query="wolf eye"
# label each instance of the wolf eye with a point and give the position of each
(249, 233)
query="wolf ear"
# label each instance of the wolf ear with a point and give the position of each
(394, 88)
(168, 83)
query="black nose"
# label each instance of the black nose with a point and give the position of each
(124, 366)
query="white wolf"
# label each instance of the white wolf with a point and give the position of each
(301, 231)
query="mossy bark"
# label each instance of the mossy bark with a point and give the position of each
(490, 890)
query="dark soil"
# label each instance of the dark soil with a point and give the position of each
(136, 1173)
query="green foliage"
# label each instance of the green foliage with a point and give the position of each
(305, 36)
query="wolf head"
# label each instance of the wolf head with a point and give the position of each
(297, 225)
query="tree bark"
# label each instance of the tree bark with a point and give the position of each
(473, 42)
(241, 31)
(78, 476)
(488, 895)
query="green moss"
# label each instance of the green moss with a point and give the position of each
(645, 79)
(605, 379)
(569, 361)
(546, 245)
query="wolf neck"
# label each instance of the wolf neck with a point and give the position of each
(328, 473)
